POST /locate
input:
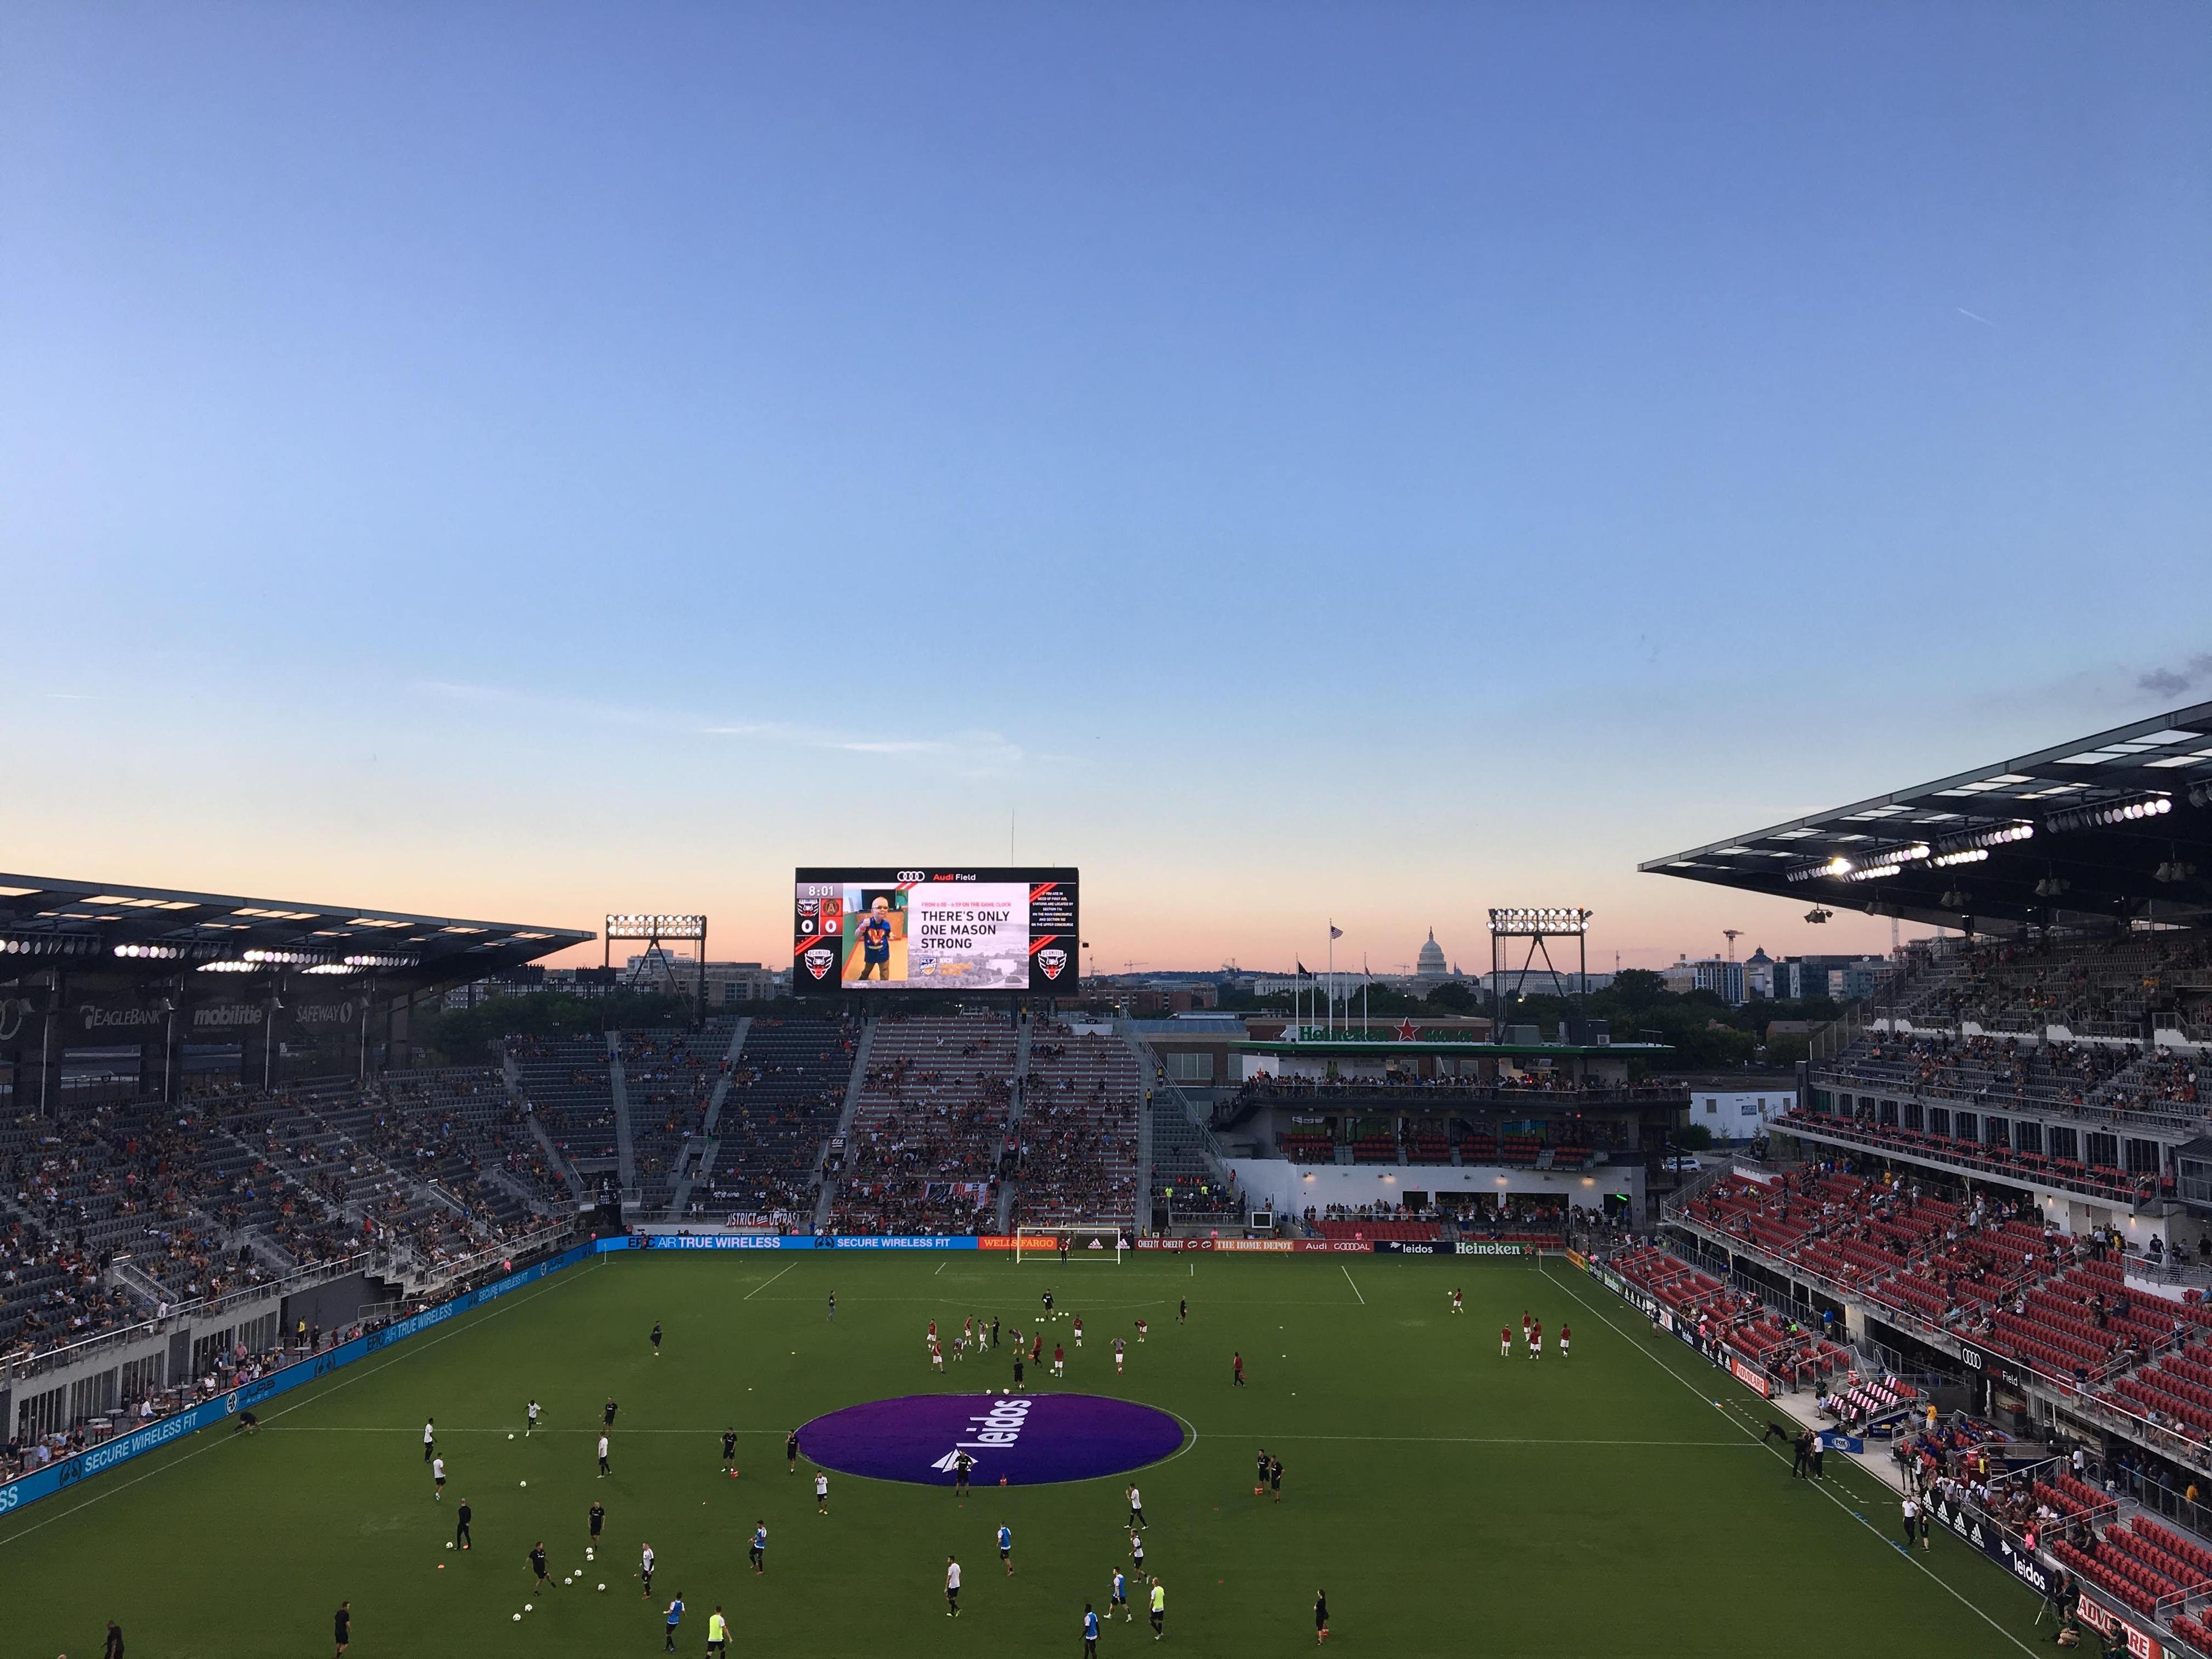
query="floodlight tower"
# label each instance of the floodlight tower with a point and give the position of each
(1536, 925)
(654, 930)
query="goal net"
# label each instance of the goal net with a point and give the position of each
(1076, 1243)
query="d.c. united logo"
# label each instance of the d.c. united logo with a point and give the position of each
(1053, 961)
(819, 961)
(1026, 1439)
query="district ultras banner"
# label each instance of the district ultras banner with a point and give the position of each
(934, 930)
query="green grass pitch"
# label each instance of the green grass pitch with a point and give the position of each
(1448, 1500)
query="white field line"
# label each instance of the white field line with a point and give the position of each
(1354, 1283)
(770, 1280)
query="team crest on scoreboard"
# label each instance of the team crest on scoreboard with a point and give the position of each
(819, 961)
(1053, 961)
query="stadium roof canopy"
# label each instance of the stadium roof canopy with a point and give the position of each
(141, 935)
(2113, 827)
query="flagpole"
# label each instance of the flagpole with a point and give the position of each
(1332, 975)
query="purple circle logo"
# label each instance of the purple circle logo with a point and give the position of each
(1027, 1439)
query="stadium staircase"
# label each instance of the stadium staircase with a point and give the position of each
(625, 1143)
(853, 1088)
(510, 1070)
(702, 1166)
(1176, 1148)
(1025, 1035)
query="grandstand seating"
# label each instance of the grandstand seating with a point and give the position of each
(1078, 1131)
(133, 1204)
(668, 1077)
(930, 1133)
(1185, 1187)
(566, 1083)
(784, 1100)
(1418, 1231)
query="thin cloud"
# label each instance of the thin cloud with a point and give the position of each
(2173, 682)
(974, 753)
(1974, 316)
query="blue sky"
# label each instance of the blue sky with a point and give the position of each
(1380, 461)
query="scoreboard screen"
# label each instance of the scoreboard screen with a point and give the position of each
(934, 930)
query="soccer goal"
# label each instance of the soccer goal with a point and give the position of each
(1081, 1243)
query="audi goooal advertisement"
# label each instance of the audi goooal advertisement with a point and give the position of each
(934, 930)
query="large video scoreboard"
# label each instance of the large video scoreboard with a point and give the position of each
(934, 930)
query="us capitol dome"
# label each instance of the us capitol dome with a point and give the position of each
(1430, 965)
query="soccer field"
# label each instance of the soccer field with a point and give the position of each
(1447, 1499)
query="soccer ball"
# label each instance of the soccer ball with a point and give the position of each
(525, 1606)
(510, 1437)
(449, 1547)
(603, 1586)
(570, 1579)
(526, 1483)
(591, 1555)
(518, 1618)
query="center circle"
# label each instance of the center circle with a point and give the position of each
(1026, 1439)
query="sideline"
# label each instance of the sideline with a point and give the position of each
(1949, 1588)
(1354, 1283)
(403, 1350)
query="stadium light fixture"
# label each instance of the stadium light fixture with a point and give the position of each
(1965, 855)
(151, 952)
(1816, 915)
(49, 944)
(1528, 922)
(2002, 835)
(2200, 794)
(2130, 810)
(229, 965)
(656, 926)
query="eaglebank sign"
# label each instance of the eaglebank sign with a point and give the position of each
(1022, 1439)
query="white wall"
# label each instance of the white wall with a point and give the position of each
(1740, 1114)
(1292, 1187)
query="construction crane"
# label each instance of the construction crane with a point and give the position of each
(1731, 934)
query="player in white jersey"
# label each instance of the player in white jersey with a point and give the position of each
(534, 1419)
(438, 1477)
(952, 1588)
(821, 1492)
